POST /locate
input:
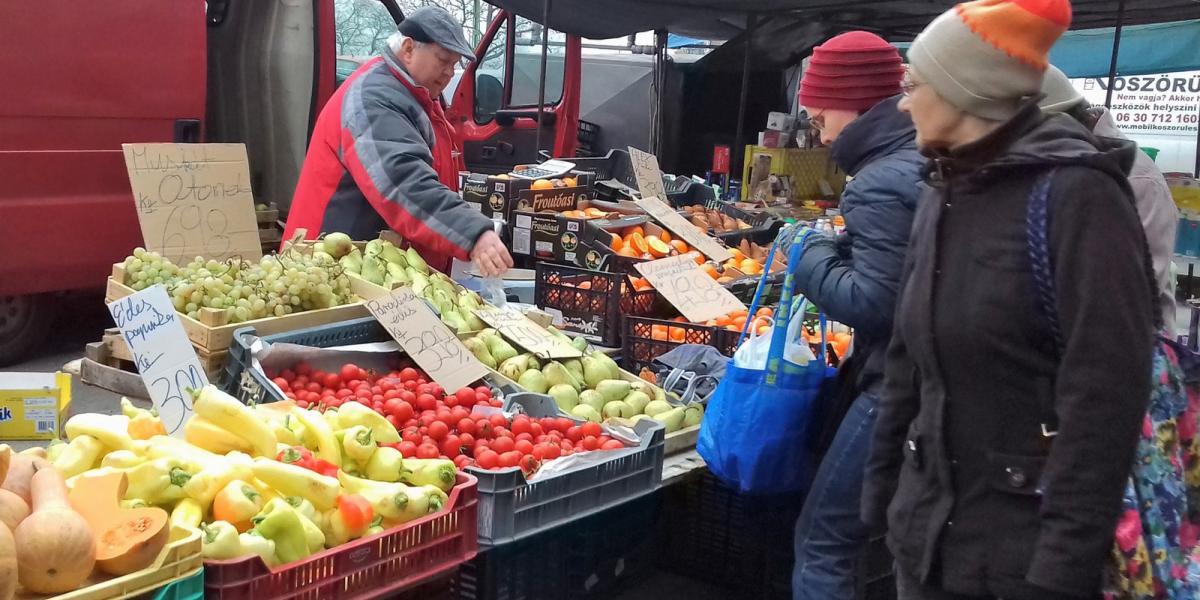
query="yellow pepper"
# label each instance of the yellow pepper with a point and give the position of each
(438, 472)
(122, 459)
(386, 464)
(318, 435)
(358, 444)
(396, 502)
(280, 424)
(187, 513)
(54, 449)
(254, 543)
(226, 412)
(312, 533)
(203, 434)
(78, 456)
(111, 430)
(159, 481)
(237, 503)
(206, 484)
(291, 480)
(354, 413)
(220, 541)
(143, 424)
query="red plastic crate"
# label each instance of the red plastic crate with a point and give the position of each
(385, 564)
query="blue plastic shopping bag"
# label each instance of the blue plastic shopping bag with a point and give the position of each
(755, 430)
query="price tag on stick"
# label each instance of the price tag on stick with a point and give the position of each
(161, 350)
(528, 335)
(653, 201)
(194, 200)
(689, 289)
(426, 339)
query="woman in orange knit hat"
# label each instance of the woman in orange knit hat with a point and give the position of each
(1019, 369)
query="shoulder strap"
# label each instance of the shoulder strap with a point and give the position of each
(1037, 225)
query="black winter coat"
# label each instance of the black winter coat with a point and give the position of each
(977, 500)
(855, 278)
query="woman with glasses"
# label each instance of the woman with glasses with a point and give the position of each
(850, 90)
(1019, 368)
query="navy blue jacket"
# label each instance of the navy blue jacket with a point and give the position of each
(855, 278)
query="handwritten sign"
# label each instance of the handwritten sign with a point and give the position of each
(423, 336)
(528, 335)
(194, 200)
(649, 176)
(682, 228)
(689, 289)
(162, 353)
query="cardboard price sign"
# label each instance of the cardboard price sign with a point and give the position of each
(527, 334)
(194, 200)
(161, 350)
(683, 228)
(429, 342)
(649, 176)
(689, 289)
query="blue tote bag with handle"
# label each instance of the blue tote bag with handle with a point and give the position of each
(758, 421)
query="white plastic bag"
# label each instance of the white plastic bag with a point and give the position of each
(753, 352)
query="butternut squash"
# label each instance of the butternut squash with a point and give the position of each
(20, 470)
(8, 564)
(56, 550)
(127, 539)
(13, 510)
(5, 458)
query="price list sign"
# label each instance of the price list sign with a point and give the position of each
(161, 350)
(527, 334)
(689, 289)
(194, 200)
(653, 201)
(429, 342)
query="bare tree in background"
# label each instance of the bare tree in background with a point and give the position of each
(361, 27)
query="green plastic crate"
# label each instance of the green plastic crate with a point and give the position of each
(188, 588)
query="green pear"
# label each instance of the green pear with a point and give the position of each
(469, 300)
(614, 372)
(415, 261)
(474, 322)
(656, 407)
(557, 374)
(692, 414)
(564, 395)
(321, 257)
(353, 261)
(337, 244)
(617, 408)
(558, 334)
(445, 286)
(373, 270)
(397, 273)
(499, 348)
(613, 389)
(575, 366)
(659, 394)
(454, 321)
(515, 366)
(672, 419)
(480, 350)
(373, 248)
(583, 411)
(534, 381)
(393, 255)
(593, 399)
(580, 344)
(594, 371)
(637, 401)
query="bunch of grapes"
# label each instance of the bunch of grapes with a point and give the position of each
(276, 285)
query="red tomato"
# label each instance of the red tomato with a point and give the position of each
(332, 380)
(282, 383)
(521, 425)
(314, 397)
(462, 461)
(391, 394)
(487, 459)
(393, 420)
(363, 393)
(482, 399)
(466, 426)
(335, 403)
(539, 452)
(592, 428)
(563, 424)
(523, 446)
(302, 368)
(612, 445)
(290, 395)
(408, 396)
(313, 386)
(287, 374)
(344, 393)
(465, 396)
(468, 440)
(438, 430)
(498, 421)
(536, 429)
(483, 389)
(362, 373)
(496, 403)
(409, 374)
(510, 459)
(524, 436)
(529, 464)
(557, 436)
(574, 433)
(348, 372)
(404, 411)
(604, 439)
(427, 451)
(451, 446)
(410, 385)
(590, 442)
(551, 451)
(424, 388)
(503, 444)
(426, 402)
(444, 414)
(437, 390)
(483, 428)
(302, 403)
(479, 448)
(412, 435)
(376, 390)
(502, 432)
(377, 398)
(459, 413)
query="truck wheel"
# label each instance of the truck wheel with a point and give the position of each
(24, 324)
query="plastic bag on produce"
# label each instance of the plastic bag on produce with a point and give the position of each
(753, 353)
(265, 356)
(691, 371)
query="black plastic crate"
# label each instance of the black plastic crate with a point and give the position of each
(647, 338)
(588, 558)
(594, 310)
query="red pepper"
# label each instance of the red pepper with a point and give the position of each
(323, 467)
(356, 512)
(296, 455)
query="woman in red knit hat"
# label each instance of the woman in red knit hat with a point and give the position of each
(850, 90)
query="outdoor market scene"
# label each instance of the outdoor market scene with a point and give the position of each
(604, 299)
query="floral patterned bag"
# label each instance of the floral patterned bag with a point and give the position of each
(1156, 554)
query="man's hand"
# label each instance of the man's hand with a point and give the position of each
(490, 256)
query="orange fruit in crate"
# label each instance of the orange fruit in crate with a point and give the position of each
(595, 213)
(724, 279)
(739, 322)
(750, 267)
(627, 251)
(569, 182)
(737, 255)
(659, 332)
(637, 241)
(585, 285)
(723, 320)
(711, 270)
(765, 311)
(665, 236)
(678, 245)
(657, 247)
(617, 243)
(635, 229)
(699, 258)
(641, 284)
(542, 184)
(677, 334)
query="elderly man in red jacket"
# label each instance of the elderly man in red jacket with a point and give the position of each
(383, 155)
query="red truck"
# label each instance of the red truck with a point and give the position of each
(189, 71)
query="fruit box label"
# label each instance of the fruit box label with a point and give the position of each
(587, 325)
(33, 406)
(557, 200)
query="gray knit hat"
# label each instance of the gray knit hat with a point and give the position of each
(984, 57)
(1061, 96)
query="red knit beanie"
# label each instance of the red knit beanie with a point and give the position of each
(853, 71)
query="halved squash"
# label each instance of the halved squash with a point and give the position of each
(127, 539)
(55, 547)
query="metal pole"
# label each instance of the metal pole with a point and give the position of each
(1116, 49)
(739, 147)
(478, 34)
(542, 78)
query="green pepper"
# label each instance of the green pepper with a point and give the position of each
(220, 541)
(376, 526)
(385, 464)
(253, 542)
(284, 527)
(312, 533)
(302, 506)
(353, 413)
(159, 481)
(438, 472)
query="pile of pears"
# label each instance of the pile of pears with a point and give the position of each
(383, 264)
(590, 387)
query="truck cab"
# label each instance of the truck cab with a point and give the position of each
(190, 71)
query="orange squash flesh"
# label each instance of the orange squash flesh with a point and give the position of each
(127, 539)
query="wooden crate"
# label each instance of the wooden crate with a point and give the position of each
(270, 230)
(120, 356)
(212, 333)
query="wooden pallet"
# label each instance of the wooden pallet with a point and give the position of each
(270, 229)
(97, 369)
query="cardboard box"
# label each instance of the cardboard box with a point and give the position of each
(33, 406)
(552, 236)
(497, 197)
(778, 121)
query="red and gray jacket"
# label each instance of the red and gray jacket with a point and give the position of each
(383, 155)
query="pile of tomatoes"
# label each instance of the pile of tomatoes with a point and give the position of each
(436, 424)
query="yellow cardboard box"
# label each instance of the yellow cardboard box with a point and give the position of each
(33, 406)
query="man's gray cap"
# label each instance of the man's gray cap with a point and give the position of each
(432, 24)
